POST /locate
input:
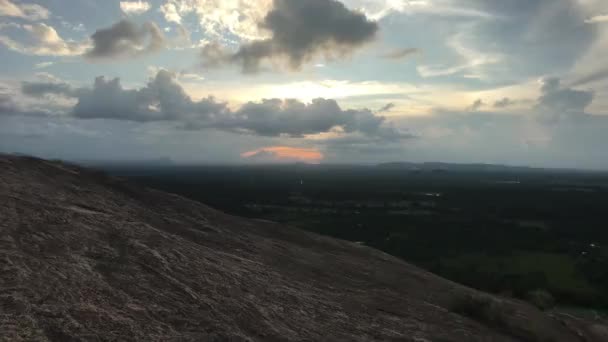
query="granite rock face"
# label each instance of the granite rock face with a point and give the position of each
(88, 257)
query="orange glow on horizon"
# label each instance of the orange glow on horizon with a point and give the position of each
(285, 153)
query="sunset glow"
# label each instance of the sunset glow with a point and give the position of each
(285, 153)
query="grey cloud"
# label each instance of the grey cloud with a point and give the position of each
(504, 103)
(476, 105)
(293, 118)
(126, 39)
(557, 102)
(40, 89)
(300, 30)
(400, 53)
(6, 104)
(163, 99)
(592, 77)
(386, 108)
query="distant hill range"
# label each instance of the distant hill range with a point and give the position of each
(439, 166)
(89, 257)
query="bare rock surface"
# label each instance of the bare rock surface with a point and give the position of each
(87, 257)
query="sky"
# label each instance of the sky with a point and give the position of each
(518, 82)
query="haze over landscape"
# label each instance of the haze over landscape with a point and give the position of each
(521, 82)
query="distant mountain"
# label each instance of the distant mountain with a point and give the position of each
(88, 257)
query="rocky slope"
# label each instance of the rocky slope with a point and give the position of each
(86, 257)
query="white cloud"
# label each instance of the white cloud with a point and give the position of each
(220, 17)
(378, 9)
(43, 65)
(134, 7)
(25, 11)
(43, 40)
(472, 60)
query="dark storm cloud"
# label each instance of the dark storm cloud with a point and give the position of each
(163, 99)
(126, 39)
(400, 53)
(300, 30)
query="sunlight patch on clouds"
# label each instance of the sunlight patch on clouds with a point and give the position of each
(335, 89)
(220, 17)
(285, 154)
(43, 40)
(134, 7)
(25, 11)
(378, 9)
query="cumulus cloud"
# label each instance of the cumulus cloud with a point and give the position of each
(43, 40)
(163, 99)
(134, 7)
(400, 53)
(126, 39)
(27, 11)
(300, 31)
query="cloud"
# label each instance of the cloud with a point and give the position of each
(596, 75)
(134, 7)
(504, 103)
(400, 53)
(7, 106)
(386, 108)
(221, 19)
(163, 99)
(43, 40)
(602, 18)
(378, 9)
(559, 103)
(31, 12)
(126, 39)
(43, 65)
(476, 105)
(284, 154)
(41, 89)
(293, 118)
(300, 31)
